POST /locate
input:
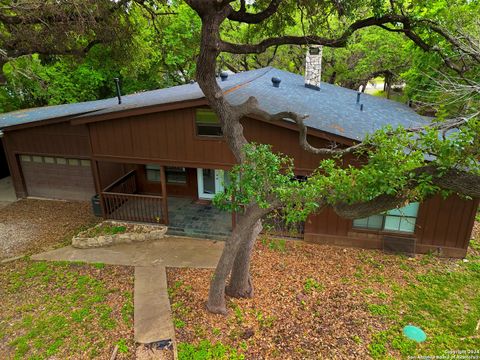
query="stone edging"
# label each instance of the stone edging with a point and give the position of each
(149, 233)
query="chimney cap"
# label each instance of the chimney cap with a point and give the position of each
(224, 75)
(276, 81)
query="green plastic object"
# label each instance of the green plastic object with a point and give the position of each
(414, 333)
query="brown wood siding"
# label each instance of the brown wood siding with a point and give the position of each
(169, 138)
(60, 139)
(443, 226)
(446, 222)
(109, 172)
(327, 222)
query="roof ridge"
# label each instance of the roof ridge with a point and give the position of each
(241, 85)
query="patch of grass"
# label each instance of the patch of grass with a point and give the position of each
(172, 291)
(205, 350)
(178, 323)
(264, 321)
(237, 311)
(106, 229)
(368, 291)
(122, 346)
(357, 339)
(359, 273)
(279, 245)
(48, 304)
(444, 303)
(312, 285)
(377, 309)
(475, 244)
(127, 308)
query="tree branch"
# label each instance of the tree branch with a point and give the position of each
(248, 18)
(310, 39)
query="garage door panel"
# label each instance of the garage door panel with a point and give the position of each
(69, 179)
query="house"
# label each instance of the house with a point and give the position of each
(159, 156)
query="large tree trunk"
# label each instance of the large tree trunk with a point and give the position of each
(240, 285)
(233, 132)
(246, 222)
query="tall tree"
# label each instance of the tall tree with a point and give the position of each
(144, 47)
(412, 173)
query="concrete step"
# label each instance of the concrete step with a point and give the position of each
(197, 234)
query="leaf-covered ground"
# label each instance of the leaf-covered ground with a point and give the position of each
(327, 302)
(65, 311)
(29, 226)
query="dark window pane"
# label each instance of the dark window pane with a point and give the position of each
(207, 123)
(176, 175)
(209, 130)
(153, 172)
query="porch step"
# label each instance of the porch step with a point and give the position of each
(197, 233)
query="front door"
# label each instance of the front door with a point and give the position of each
(210, 182)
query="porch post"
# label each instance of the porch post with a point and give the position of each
(98, 186)
(163, 180)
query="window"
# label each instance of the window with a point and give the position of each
(176, 175)
(153, 172)
(402, 220)
(207, 123)
(25, 158)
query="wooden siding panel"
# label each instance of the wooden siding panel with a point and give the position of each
(327, 222)
(445, 222)
(58, 139)
(170, 137)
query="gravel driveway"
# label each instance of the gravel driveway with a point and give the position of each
(29, 226)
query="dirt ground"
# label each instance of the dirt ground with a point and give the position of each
(29, 226)
(310, 302)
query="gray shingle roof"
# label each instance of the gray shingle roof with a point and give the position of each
(332, 109)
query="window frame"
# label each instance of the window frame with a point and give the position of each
(384, 216)
(206, 137)
(176, 183)
(151, 167)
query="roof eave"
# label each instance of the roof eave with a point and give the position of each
(138, 111)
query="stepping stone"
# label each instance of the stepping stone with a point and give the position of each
(152, 314)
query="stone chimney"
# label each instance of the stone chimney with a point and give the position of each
(313, 67)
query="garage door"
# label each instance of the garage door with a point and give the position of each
(57, 177)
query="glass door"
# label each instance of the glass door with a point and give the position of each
(210, 182)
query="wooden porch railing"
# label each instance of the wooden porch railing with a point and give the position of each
(126, 184)
(133, 207)
(121, 202)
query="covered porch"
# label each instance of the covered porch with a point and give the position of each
(141, 195)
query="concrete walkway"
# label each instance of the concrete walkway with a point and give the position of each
(152, 313)
(171, 251)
